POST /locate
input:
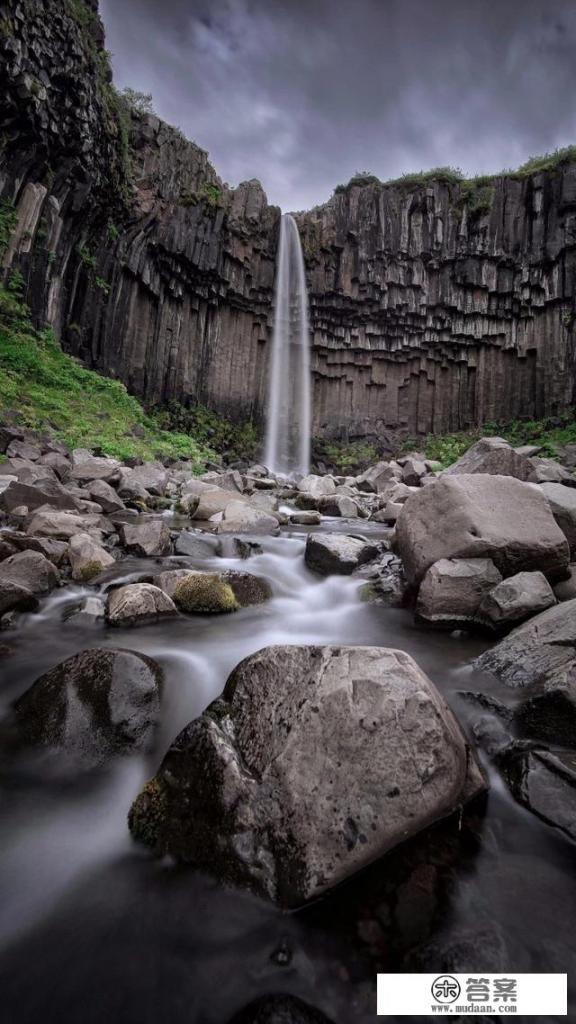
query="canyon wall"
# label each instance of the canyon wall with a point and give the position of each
(431, 310)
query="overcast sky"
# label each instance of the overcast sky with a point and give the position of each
(303, 93)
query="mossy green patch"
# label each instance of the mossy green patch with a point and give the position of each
(206, 593)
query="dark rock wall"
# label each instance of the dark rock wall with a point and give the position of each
(427, 316)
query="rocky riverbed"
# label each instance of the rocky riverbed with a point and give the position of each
(263, 738)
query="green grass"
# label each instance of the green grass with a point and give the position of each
(49, 390)
(549, 433)
(232, 440)
(347, 459)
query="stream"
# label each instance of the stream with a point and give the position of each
(94, 930)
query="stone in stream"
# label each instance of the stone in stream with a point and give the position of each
(531, 651)
(137, 604)
(241, 518)
(550, 714)
(338, 505)
(315, 762)
(317, 485)
(30, 570)
(279, 1009)
(517, 598)
(545, 783)
(212, 591)
(15, 597)
(481, 516)
(148, 539)
(194, 545)
(337, 553)
(237, 547)
(453, 588)
(87, 558)
(94, 705)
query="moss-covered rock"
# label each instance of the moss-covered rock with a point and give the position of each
(205, 592)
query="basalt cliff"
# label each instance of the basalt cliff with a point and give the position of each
(434, 306)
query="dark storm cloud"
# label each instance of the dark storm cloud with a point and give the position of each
(302, 94)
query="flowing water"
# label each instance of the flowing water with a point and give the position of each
(94, 930)
(288, 425)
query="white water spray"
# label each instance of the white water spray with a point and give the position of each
(289, 421)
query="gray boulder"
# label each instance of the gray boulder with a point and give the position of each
(96, 469)
(105, 496)
(379, 477)
(31, 570)
(309, 518)
(23, 450)
(338, 505)
(138, 603)
(95, 705)
(193, 545)
(317, 485)
(549, 471)
(337, 553)
(149, 539)
(545, 783)
(517, 598)
(239, 517)
(50, 492)
(60, 464)
(563, 504)
(314, 763)
(566, 589)
(453, 589)
(63, 525)
(152, 476)
(533, 650)
(213, 591)
(412, 472)
(480, 516)
(15, 597)
(550, 715)
(215, 500)
(87, 557)
(492, 455)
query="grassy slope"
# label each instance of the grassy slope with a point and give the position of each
(551, 434)
(49, 390)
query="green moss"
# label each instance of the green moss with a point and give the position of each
(209, 193)
(206, 593)
(549, 434)
(147, 814)
(347, 459)
(90, 570)
(234, 440)
(54, 392)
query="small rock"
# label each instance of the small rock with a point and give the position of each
(87, 558)
(138, 603)
(517, 598)
(336, 553)
(240, 518)
(149, 539)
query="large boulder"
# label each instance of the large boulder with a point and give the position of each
(550, 714)
(541, 645)
(63, 525)
(314, 763)
(87, 557)
(195, 545)
(336, 553)
(138, 603)
(105, 496)
(94, 705)
(152, 476)
(238, 517)
(517, 598)
(492, 455)
(453, 588)
(546, 470)
(339, 505)
(50, 492)
(481, 516)
(149, 539)
(379, 477)
(15, 597)
(96, 469)
(563, 504)
(317, 485)
(213, 501)
(31, 570)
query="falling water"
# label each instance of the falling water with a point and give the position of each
(288, 425)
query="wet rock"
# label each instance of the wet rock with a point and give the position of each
(63, 525)
(87, 558)
(336, 553)
(545, 783)
(213, 501)
(241, 518)
(563, 504)
(237, 547)
(310, 518)
(494, 456)
(550, 715)
(388, 514)
(106, 496)
(138, 603)
(533, 650)
(480, 516)
(279, 1009)
(386, 583)
(200, 592)
(317, 485)
(96, 469)
(30, 570)
(338, 505)
(14, 597)
(90, 612)
(148, 539)
(49, 493)
(550, 471)
(55, 550)
(566, 589)
(453, 590)
(316, 761)
(193, 545)
(517, 598)
(95, 705)
(249, 589)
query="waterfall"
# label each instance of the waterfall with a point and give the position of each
(289, 420)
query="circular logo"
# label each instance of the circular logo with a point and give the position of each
(445, 989)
